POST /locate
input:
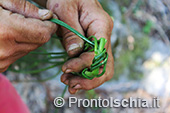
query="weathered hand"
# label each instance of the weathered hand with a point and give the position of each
(87, 17)
(22, 30)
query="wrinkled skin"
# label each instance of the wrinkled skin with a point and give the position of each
(20, 35)
(87, 17)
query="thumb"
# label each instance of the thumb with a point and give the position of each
(26, 8)
(71, 42)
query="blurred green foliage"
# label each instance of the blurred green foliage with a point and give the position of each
(148, 26)
(92, 94)
(124, 3)
(104, 4)
(129, 61)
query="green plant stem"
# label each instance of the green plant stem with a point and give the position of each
(39, 70)
(64, 91)
(48, 53)
(44, 80)
(59, 22)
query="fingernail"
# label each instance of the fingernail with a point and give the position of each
(68, 71)
(78, 86)
(73, 46)
(43, 13)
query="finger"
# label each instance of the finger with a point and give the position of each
(11, 54)
(26, 30)
(3, 69)
(65, 78)
(78, 83)
(16, 50)
(95, 21)
(69, 14)
(24, 47)
(6, 63)
(77, 64)
(26, 8)
(72, 90)
(86, 84)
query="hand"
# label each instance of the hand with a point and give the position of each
(22, 30)
(87, 17)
